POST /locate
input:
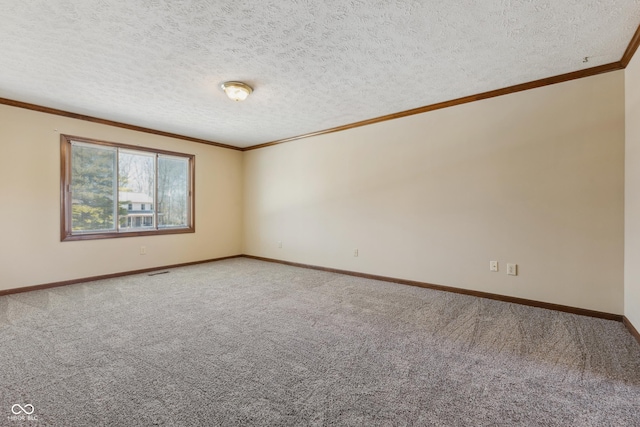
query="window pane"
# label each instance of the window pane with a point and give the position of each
(137, 189)
(173, 191)
(93, 188)
(113, 190)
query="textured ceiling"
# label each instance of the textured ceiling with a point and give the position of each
(314, 65)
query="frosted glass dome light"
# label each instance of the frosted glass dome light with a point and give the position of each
(237, 91)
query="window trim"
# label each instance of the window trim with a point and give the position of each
(65, 193)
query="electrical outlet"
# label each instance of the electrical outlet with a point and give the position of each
(512, 269)
(355, 252)
(493, 265)
(143, 250)
(280, 244)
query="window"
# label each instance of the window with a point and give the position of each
(110, 190)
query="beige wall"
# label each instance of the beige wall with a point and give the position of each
(632, 193)
(30, 249)
(534, 178)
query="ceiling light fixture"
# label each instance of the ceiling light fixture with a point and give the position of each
(237, 91)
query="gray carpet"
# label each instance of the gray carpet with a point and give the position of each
(245, 342)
